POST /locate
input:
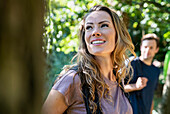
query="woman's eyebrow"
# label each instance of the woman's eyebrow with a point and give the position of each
(99, 22)
(89, 23)
(104, 21)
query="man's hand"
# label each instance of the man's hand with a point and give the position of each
(141, 83)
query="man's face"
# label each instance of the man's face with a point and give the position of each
(148, 49)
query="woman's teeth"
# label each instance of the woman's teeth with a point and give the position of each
(98, 42)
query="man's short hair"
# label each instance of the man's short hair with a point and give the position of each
(151, 37)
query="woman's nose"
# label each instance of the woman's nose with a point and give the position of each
(96, 33)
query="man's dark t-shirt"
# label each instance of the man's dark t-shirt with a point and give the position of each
(142, 100)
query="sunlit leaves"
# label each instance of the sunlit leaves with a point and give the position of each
(167, 35)
(135, 24)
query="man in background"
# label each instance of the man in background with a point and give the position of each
(145, 78)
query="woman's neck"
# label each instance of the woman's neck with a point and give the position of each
(106, 67)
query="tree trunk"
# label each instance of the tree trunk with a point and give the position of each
(21, 57)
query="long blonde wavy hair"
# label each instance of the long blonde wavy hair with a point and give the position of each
(88, 68)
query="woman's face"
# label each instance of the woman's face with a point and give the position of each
(99, 33)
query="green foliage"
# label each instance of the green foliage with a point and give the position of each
(144, 17)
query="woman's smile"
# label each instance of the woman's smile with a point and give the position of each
(97, 42)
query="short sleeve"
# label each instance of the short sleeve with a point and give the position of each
(69, 86)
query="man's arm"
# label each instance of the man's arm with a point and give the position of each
(152, 106)
(140, 84)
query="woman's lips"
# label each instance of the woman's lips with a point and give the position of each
(98, 41)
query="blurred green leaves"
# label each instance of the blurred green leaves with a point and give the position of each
(135, 24)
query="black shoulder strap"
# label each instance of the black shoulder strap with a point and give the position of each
(85, 97)
(74, 68)
(85, 91)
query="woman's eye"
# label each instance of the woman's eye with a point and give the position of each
(88, 27)
(104, 25)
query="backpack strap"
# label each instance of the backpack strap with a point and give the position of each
(85, 90)
(85, 97)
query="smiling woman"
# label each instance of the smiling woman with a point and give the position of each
(93, 84)
(100, 33)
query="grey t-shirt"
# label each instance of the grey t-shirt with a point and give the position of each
(69, 86)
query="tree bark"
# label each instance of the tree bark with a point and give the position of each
(21, 56)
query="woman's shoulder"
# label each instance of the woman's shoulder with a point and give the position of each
(71, 75)
(68, 79)
(69, 86)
